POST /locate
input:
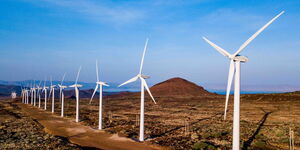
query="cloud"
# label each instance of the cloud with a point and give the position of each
(229, 17)
(103, 11)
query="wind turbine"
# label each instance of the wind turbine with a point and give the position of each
(22, 93)
(234, 70)
(26, 95)
(34, 94)
(76, 86)
(99, 85)
(143, 86)
(39, 88)
(45, 94)
(61, 94)
(52, 91)
(31, 94)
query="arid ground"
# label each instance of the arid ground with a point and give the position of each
(180, 123)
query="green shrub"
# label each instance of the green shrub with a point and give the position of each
(200, 146)
(203, 146)
(260, 144)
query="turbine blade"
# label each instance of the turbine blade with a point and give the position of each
(61, 83)
(129, 81)
(105, 84)
(51, 80)
(256, 34)
(229, 82)
(97, 71)
(142, 62)
(147, 88)
(94, 93)
(50, 92)
(218, 48)
(45, 82)
(78, 74)
(40, 83)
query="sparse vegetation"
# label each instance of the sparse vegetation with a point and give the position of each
(165, 125)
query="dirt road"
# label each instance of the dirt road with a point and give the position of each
(82, 135)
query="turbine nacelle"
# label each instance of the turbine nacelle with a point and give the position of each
(241, 58)
(143, 76)
(102, 83)
(76, 85)
(62, 86)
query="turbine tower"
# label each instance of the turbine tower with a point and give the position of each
(31, 94)
(61, 94)
(99, 85)
(39, 88)
(34, 94)
(234, 70)
(45, 94)
(25, 95)
(143, 86)
(76, 86)
(52, 91)
(22, 93)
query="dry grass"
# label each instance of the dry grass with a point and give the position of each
(265, 120)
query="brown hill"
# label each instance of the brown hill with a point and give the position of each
(178, 87)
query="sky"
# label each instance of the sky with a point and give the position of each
(44, 38)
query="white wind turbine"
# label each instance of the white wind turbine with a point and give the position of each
(143, 86)
(22, 93)
(45, 94)
(234, 69)
(26, 96)
(34, 94)
(23, 96)
(61, 94)
(39, 88)
(99, 85)
(76, 86)
(52, 89)
(31, 94)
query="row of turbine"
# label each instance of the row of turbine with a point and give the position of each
(36, 91)
(234, 71)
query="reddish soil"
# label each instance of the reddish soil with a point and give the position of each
(178, 87)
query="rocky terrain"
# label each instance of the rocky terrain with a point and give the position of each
(18, 131)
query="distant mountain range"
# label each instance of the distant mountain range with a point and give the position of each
(6, 87)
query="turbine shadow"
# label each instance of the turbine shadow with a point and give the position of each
(261, 123)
